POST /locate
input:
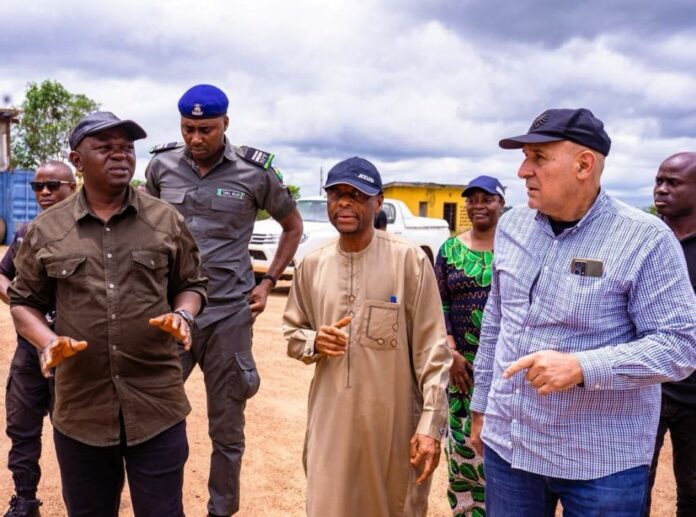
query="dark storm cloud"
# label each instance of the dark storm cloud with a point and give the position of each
(550, 23)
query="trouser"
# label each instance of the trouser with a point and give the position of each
(466, 489)
(93, 477)
(223, 351)
(513, 492)
(27, 402)
(680, 419)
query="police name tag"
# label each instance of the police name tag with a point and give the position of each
(225, 192)
(587, 267)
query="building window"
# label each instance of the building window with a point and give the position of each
(449, 214)
(423, 209)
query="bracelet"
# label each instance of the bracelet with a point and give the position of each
(269, 277)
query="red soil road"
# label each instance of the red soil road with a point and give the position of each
(273, 481)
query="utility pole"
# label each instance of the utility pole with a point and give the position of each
(321, 179)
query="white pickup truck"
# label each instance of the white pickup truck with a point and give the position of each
(425, 232)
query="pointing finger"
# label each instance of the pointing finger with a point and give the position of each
(343, 322)
(523, 362)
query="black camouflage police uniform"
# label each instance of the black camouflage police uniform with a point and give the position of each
(220, 209)
(27, 402)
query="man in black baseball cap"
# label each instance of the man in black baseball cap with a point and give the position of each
(577, 125)
(123, 273)
(99, 121)
(582, 324)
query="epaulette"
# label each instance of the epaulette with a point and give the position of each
(166, 147)
(256, 156)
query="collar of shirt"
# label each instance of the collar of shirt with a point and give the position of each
(82, 208)
(228, 154)
(597, 207)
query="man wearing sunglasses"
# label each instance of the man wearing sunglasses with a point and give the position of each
(27, 397)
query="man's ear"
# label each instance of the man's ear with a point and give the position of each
(227, 122)
(585, 163)
(76, 160)
(380, 200)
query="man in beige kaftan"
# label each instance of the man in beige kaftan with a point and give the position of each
(365, 309)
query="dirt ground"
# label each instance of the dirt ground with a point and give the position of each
(273, 481)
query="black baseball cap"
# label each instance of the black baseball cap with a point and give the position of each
(356, 172)
(99, 121)
(577, 125)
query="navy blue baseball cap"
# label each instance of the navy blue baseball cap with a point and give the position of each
(356, 172)
(203, 101)
(577, 125)
(487, 184)
(99, 121)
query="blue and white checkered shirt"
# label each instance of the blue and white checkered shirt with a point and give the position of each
(631, 328)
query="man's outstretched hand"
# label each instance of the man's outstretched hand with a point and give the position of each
(331, 340)
(424, 451)
(175, 325)
(59, 349)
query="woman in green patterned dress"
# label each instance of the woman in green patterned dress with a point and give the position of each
(463, 269)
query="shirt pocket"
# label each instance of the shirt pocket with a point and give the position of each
(70, 274)
(381, 330)
(149, 272)
(230, 216)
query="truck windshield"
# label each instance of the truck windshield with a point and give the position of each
(313, 210)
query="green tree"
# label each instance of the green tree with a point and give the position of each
(49, 112)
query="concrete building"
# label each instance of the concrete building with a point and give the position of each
(443, 201)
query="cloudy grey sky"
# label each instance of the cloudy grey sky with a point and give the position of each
(425, 89)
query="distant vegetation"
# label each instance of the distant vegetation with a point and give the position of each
(49, 112)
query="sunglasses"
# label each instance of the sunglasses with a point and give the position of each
(51, 185)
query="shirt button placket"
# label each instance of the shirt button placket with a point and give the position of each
(111, 297)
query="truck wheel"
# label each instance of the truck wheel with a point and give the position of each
(429, 254)
(3, 230)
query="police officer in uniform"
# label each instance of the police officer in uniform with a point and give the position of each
(219, 188)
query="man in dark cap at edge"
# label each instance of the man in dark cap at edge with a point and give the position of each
(590, 309)
(219, 189)
(123, 274)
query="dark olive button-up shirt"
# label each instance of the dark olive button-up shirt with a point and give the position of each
(106, 280)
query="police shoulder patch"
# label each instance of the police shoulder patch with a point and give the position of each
(256, 156)
(166, 147)
(278, 174)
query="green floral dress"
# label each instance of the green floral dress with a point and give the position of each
(464, 280)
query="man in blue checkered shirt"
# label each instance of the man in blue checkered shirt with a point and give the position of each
(590, 309)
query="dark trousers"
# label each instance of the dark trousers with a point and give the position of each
(223, 351)
(93, 477)
(680, 419)
(27, 402)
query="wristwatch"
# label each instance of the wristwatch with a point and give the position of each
(271, 278)
(186, 315)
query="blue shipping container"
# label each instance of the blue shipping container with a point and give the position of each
(18, 204)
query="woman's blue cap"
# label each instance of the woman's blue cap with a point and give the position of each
(487, 184)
